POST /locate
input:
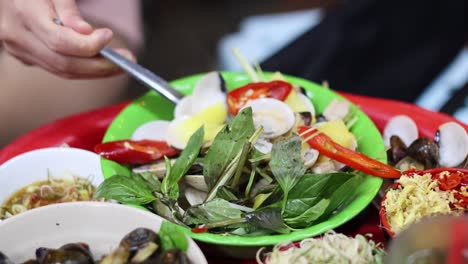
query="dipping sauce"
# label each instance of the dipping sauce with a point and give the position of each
(68, 188)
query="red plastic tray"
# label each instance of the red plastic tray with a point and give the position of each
(84, 130)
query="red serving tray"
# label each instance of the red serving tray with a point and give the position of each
(85, 130)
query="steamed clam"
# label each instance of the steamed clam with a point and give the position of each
(206, 106)
(197, 182)
(194, 196)
(402, 126)
(273, 115)
(263, 145)
(158, 168)
(210, 89)
(310, 156)
(337, 110)
(299, 102)
(452, 140)
(154, 130)
(448, 149)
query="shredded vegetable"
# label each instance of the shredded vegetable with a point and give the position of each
(415, 198)
(331, 248)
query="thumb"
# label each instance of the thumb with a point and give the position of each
(69, 14)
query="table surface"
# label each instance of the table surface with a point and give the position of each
(84, 130)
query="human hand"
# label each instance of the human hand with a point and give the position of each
(29, 33)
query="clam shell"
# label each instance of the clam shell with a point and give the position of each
(208, 91)
(197, 182)
(401, 126)
(453, 144)
(154, 130)
(273, 115)
(336, 110)
(195, 196)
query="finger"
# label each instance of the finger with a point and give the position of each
(65, 66)
(61, 39)
(126, 53)
(87, 68)
(70, 15)
(19, 54)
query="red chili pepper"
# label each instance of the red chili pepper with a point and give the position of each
(464, 181)
(135, 152)
(462, 200)
(35, 197)
(237, 98)
(449, 181)
(199, 230)
(356, 160)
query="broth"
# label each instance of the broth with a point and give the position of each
(53, 190)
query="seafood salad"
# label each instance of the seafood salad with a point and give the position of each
(141, 245)
(256, 160)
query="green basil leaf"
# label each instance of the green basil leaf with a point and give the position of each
(227, 144)
(226, 193)
(125, 190)
(342, 195)
(310, 189)
(172, 236)
(182, 164)
(310, 215)
(286, 163)
(298, 206)
(216, 210)
(268, 218)
(168, 209)
(151, 179)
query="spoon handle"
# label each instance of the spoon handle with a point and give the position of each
(143, 75)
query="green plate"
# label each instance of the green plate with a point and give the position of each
(152, 107)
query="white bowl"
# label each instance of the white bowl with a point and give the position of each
(100, 225)
(33, 166)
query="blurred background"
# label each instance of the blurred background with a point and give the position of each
(415, 52)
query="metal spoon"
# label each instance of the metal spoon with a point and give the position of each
(143, 75)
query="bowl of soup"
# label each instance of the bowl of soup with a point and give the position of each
(48, 176)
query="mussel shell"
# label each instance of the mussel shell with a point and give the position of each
(173, 256)
(424, 151)
(397, 151)
(139, 238)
